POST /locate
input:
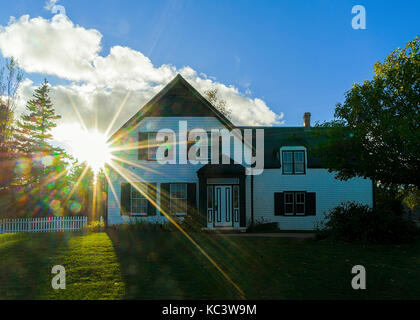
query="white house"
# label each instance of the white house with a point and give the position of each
(293, 189)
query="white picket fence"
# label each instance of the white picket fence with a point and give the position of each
(52, 224)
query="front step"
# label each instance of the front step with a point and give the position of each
(224, 230)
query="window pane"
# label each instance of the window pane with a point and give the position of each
(178, 191)
(179, 206)
(152, 148)
(299, 156)
(289, 208)
(300, 197)
(300, 202)
(236, 197)
(288, 168)
(287, 156)
(143, 206)
(139, 206)
(288, 197)
(136, 194)
(182, 191)
(299, 168)
(288, 203)
(300, 208)
(178, 198)
(209, 197)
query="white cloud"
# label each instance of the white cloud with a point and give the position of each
(50, 4)
(98, 84)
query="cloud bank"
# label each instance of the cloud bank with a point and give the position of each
(96, 85)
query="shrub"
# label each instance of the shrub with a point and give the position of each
(142, 226)
(387, 198)
(355, 222)
(95, 226)
(192, 223)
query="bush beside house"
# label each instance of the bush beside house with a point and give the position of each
(354, 222)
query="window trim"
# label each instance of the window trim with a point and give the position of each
(185, 198)
(300, 203)
(286, 213)
(293, 162)
(294, 214)
(137, 214)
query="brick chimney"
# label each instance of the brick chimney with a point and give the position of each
(307, 120)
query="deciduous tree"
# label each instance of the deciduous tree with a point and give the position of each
(376, 131)
(212, 96)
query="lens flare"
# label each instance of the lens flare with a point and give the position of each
(91, 147)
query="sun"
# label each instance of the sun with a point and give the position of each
(90, 147)
(94, 150)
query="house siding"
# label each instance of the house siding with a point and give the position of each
(152, 171)
(330, 192)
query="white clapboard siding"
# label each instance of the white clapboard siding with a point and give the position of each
(53, 224)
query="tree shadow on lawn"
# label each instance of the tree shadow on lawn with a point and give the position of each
(166, 265)
(26, 263)
(392, 271)
(310, 269)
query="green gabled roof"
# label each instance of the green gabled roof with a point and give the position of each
(180, 99)
(277, 137)
(177, 99)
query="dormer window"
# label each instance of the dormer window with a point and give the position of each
(151, 146)
(293, 162)
(147, 146)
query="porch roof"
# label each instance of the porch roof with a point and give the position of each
(214, 170)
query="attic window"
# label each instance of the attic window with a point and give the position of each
(152, 146)
(293, 162)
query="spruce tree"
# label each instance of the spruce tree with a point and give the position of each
(33, 137)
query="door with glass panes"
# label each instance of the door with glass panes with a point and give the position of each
(223, 205)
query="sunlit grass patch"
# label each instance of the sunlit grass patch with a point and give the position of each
(126, 263)
(92, 269)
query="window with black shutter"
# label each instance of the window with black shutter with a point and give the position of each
(147, 146)
(178, 199)
(138, 200)
(295, 203)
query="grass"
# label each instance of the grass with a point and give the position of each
(129, 264)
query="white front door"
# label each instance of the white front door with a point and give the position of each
(223, 206)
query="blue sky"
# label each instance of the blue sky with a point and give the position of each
(297, 56)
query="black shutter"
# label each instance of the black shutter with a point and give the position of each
(310, 204)
(165, 197)
(278, 204)
(191, 198)
(142, 146)
(151, 204)
(125, 199)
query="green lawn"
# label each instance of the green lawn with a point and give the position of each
(165, 265)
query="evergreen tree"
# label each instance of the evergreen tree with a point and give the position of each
(33, 136)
